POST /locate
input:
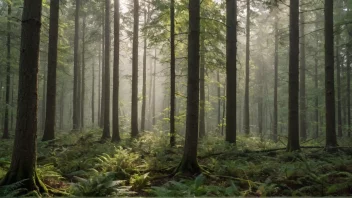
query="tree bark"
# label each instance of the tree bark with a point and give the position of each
(246, 95)
(102, 104)
(331, 140)
(348, 56)
(219, 97)
(172, 74)
(231, 71)
(202, 90)
(302, 81)
(144, 91)
(154, 91)
(8, 74)
(83, 87)
(293, 117)
(134, 109)
(76, 104)
(50, 118)
(116, 82)
(276, 77)
(189, 163)
(106, 130)
(338, 81)
(23, 163)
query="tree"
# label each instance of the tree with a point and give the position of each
(246, 95)
(276, 65)
(189, 163)
(231, 73)
(83, 86)
(293, 89)
(202, 90)
(329, 76)
(338, 81)
(172, 74)
(302, 81)
(115, 96)
(134, 109)
(52, 64)
(106, 129)
(76, 70)
(8, 73)
(23, 162)
(144, 91)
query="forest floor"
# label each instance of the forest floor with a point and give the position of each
(80, 165)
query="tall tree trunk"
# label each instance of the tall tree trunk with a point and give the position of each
(106, 130)
(316, 100)
(154, 91)
(219, 97)
(99, 84)
(42, 120)
(62, 107)
(202, 90)
(75, 116)
(172, 74)
(302, 81)
(338, 80)
(83, 87)
(293, 117)
(93, 95)
(331, 140)
(8, 74)
(223, 111)
(102, 101)
(134, 109)
(116, 81)
(189, 159)
(12, 102)
(50, 119)
(144, 91)
(150, 96)
(23, 163)
(348, 56)
(246, 95)
(260, 100)
(231, 71)
(276, 77)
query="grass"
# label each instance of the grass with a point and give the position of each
(80, 165)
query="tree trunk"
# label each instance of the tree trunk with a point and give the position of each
(338, 80)
(12, 102)
(62, 107)
(293, 117)
(115, 97)
(302, 81)
(276, 65)
(316, 100)
(189, 163)
(231, 71)
(83, 87)
(202, 90)
(219, 97)
(102, 104)
(144, 91)
(348, 56)
(99, 84)
(23, 163)
(93, 95)
(134, 109)
(50, 119)
(75, 116)
(329, 76)
(246, 95)
(8, 74)
(42, 120)
(154, 78)
(172, 74)
(106, 130)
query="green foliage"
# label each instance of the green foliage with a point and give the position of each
(12, 190)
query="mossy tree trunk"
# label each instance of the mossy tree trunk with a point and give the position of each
(23, 163)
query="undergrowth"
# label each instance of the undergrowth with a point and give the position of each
(80, 165)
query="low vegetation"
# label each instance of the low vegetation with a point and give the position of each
(81, 165)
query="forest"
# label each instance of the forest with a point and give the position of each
(175, 98)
